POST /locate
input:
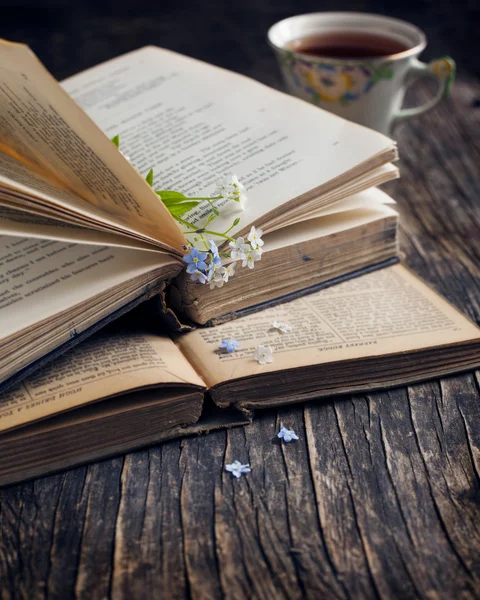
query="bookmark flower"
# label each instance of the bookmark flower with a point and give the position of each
(217, 280)
(263, 355)
(282, 327)
(287, 434)
(255, 238)
(228, 271)
(195, 260)
(251, 258)
(214, 267)
(229, 345)
(198, 276)
(230, 188)
(239, 249)
(237, 469)
(214, 250)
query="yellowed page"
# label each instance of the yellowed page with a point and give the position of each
(384, 312)
(17, 223)
(25, 189)
(371, 198)
(104, 366)
(192, 122)
(40, 123)
(41, 278)
(323, 226)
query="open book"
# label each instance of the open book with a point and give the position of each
(83, 237)
(124, 389)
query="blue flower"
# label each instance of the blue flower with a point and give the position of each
(287, 434)
(198, 276)
(229, 345)
(213, 266)
(195, 260)
(213, 249)
(236, 469)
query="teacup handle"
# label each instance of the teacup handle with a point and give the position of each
(441, 69)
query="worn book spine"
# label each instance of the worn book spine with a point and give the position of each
(167, 306)
(76, 338)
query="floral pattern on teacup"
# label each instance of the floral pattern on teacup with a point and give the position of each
(444, 69)
(335, 83)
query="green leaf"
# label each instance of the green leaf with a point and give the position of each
(116, 141)
(170, 197)
(149, 177)
(177, 210)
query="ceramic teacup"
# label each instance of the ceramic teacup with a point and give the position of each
(369, 91)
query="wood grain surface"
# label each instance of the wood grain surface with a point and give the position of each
(380, 496)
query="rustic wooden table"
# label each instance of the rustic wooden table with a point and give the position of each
(380, 496)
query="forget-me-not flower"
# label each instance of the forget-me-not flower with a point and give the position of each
(255, 238)
(287, 434)
(213, 249)
(230, 188)
(283, 327)
(236, 468)
(263, 354)
(250, 258)
(239, 249)
(213, 266)
(229, 345)
(195, 260)
(228, 271)
(198, 276)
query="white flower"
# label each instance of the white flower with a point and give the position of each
(263, 354)
(250, 259)
(255, 238)
(239, 249)
(230, 188)
(228, 271)
(217, 279)
(236, 468)
(283, 327)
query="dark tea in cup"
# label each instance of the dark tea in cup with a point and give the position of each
(353, 45)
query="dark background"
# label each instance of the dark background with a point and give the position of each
(380, 497)
(71, 36)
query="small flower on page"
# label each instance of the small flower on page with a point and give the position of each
(249, 260)
(229, 271)
(229, 345)
(283, 327)
(198, 276)
(236, 468)
(263, 355)
(255, 238)
(287, 434)
(231, 189)
(239, 249)
(195, 260)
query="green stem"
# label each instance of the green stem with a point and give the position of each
(207, 199)
(202, 237)
(229, 229)
(215, 210)
(227, 237)
(186, 223)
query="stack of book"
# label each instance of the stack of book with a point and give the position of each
(84, 239)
